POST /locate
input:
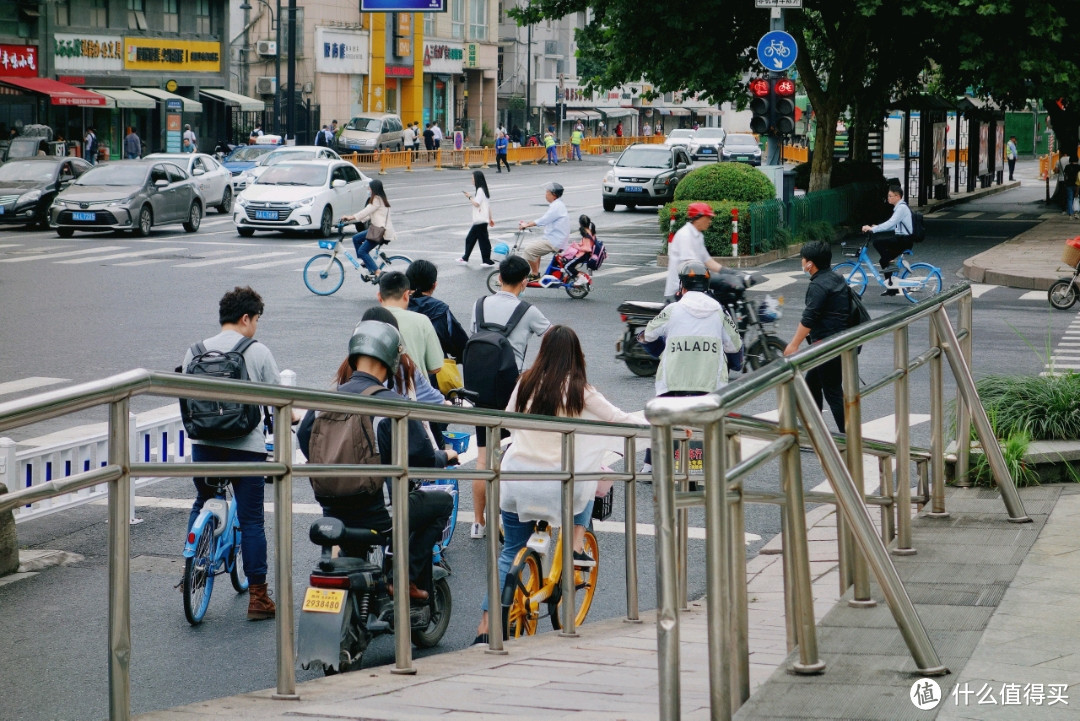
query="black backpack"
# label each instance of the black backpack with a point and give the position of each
(213, 420)
(490, 365)
(918, 226)
(857, 313)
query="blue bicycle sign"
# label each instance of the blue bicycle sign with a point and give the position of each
(776, 51)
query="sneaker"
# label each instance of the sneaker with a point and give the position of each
(365, 277)
(477, 530)
(891, 291)
(488, 264)
(646, 468)
(583, 561)
(533, 277)
(462, 261)
(480, 640)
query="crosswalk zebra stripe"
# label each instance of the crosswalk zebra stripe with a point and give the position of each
(117, 256)
(232, 258)
(643, 279)
(44, 255)
(1033, 295)
(25, 384)
(271, 264)
(978, 289)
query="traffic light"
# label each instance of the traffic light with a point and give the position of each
(783, 105)
(761, 106)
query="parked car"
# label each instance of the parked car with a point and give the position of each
(371, 131)
(28, 187)
(306, 195)
(644, 174)
(244, 157)
(742, 148)
(213, 180)
(706, 143)
(287, 153)
(130, 195)
(24, 147)
(679, 136)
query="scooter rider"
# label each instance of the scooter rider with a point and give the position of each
(374, 355)
(689, 244)
(556, 225)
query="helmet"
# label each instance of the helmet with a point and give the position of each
(693, 275)
(381, 341)
(698, 210)
(555, 189)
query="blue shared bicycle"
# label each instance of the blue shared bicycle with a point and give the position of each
(212, 548)
(915, 280)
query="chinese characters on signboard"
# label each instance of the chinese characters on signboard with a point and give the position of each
(19, 60)
(159, 54)
(341, 51)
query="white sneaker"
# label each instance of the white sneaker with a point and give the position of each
(646, 468)
(462, 261)
(477, 530)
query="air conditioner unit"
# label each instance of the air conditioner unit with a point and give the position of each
(266, 47)
(266, 86)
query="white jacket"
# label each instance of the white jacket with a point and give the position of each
(481, 212)
(379, 215)
(698, 332)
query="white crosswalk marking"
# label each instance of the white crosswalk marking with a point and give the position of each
(55, 256)
(272, 263)
(1066, 356)
(1008, 216)
(149, 261)
(978, 289)
(25, 384)
(1033, 295)
(116, 256)
(232, 258)
(969, 216)
(643, 279)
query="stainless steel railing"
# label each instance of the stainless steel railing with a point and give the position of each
(861, 551)
(118, 472)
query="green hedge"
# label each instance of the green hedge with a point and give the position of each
(734, 182)
(718, 236)
(844, 172)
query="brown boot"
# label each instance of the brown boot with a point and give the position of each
(260, 607)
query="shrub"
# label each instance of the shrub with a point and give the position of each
(844, 172)
(734, 182)
(718, 236)
(1043, 407)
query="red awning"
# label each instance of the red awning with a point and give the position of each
(59, 93)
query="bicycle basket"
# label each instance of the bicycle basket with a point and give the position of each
(327, 244)
(1070, 255)
(499, 252)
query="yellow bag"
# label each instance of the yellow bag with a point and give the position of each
(449, 376)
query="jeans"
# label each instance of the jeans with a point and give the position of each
(248, 491)
(827, 379)
(516, 534)
(363, 250)
(576, 151)
(553, 155)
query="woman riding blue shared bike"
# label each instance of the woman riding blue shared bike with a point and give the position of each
(379, 231)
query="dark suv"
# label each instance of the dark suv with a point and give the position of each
(645, 174)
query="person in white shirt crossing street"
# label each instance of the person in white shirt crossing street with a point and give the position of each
(689, 244)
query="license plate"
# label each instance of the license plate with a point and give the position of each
(83, 216)
(266, 215)
(1, 210)
(321, 600)
(631, 188)
(707, 151)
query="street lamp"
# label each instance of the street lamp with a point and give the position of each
(277, 57)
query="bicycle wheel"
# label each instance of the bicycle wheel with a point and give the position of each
(236, 565)
(525, 577)
(494, 285)
(929, 279)
(199, 574)
(441, 607)
(395, 262)
(763, 351)
(584, 586)
(1062, 294)
(324, 274)
(854, 275)
(576, 291)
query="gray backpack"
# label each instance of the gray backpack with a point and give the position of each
(347, 439)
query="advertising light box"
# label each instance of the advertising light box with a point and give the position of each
(403, 6)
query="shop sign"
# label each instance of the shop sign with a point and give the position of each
(82, 53)
(341, 51)
(443, 59)
(160, 54)
(19, 61)
(472, 55)
(399, 71)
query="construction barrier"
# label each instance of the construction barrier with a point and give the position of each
(795, 154)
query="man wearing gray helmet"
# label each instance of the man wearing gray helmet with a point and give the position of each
(556, 225)
(374, 354)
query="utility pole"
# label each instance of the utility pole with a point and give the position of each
(774, 147)
(528, 81)
(290, 94)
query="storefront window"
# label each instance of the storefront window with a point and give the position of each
(172, 15)
(63, 12)
(478, 12)
(136, 14)
(457, 19)
(203, 24)
(429, 25)
(99, 13)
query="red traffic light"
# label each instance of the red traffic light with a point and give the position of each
(759, 87)
(784, 86)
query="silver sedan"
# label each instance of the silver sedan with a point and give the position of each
(211, 177)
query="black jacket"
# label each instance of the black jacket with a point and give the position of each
(452, 336)
(826, 309)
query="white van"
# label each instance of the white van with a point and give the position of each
(368, 132)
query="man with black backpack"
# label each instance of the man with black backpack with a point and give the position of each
(494, 355)
(223, 432)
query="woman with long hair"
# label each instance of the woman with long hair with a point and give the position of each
(380, 230)
(481, 219)
(555, 385)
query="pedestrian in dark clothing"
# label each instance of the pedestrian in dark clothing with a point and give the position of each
(132, 144)
(429, 139)
(825, 314)
(423, 277)
(501, 145)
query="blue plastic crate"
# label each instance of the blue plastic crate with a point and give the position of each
(327, 244)
(458, 440)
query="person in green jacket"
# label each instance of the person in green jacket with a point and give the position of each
(575, 143)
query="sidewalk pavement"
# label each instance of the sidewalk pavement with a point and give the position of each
(999, 601)
(1031, 260)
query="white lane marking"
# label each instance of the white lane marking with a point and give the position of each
(48, 256)
(616, 269)
(10, 245)
(115, 256)
(231, 258)
(979, 289)
(643, 280)
(272, 263)
(1008, 216)
(151, 261)
(776, 281)
(969, 216)
(25, 384)
(1033, 295)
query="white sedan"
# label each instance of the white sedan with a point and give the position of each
(679, 136)
(213, 179)
(284, 154)
(306, 195)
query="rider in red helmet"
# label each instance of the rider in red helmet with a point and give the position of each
(689, 244)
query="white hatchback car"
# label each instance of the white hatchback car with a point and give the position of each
(286, 153)
(307, 195)
(213, 179)
(679, 136)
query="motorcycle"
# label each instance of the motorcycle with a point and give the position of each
(761, 344)
(347, 602)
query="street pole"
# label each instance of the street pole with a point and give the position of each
(773, 148)
(528, 82)
(277, 70)
(290, 95)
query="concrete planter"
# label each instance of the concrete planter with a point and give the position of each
(745, 261)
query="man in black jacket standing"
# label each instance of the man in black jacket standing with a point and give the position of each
(825, 314)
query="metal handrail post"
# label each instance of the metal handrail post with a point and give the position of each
(718, 591)
(119, 564)
(963, 413)
(494, 513)
(851, 507)
(402, 624)
(902, 424)
(283, 531)
(888, 526)
(630, 531)
(791, 633)
(966, 384)
(739, 613)
(667, 592)
(860, 574)
(937, 430)
(799, 586)
(682, 524)
(567, 580)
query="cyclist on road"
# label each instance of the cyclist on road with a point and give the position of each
(556, 225)
(893, 236)
(379, 231)
(689, 244)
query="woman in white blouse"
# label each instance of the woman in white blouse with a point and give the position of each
(377, 212)
(481, 219)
